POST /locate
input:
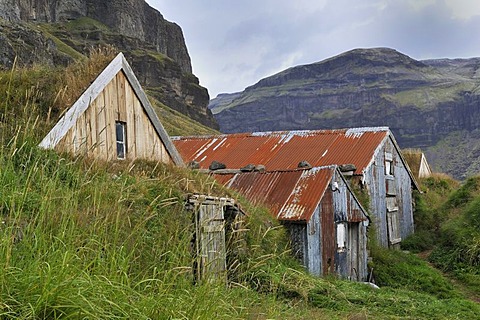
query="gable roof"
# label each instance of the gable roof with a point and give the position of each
(285, 149)
(290, 195)
(119, 64)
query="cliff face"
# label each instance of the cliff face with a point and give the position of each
(132, 18)
(425, 103)
(61, 30)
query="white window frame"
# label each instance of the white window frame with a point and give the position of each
(121, 140)
(389, 166)
(341, 236)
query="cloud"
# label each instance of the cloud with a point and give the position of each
(233, 44)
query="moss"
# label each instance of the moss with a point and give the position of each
(178, 124)
(429, 97)
(61, 46)
(86, 24)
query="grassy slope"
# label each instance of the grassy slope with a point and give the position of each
(448, 224)
(90, 240)
(87, 240)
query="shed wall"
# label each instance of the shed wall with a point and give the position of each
(397, 186)
(93, 135)
(315, 243)
(350, 263)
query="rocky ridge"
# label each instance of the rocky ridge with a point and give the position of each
(427, 104)
(55, 32)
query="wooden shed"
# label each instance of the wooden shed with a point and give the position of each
(417, 162)
(218, 224)
(113, 120)
(326, 223)
(372, 153)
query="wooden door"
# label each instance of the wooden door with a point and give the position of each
(210, 240)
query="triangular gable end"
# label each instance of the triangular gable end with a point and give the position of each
(390, 137)
(91, 123)
(405, 164)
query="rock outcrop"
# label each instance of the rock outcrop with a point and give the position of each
(57, 31)
(423, 102)
(132, 18)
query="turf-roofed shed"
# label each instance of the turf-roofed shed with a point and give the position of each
(369, 156)
(417, 162)
(326, 223)
(113, 120)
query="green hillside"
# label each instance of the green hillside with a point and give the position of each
(90, 240)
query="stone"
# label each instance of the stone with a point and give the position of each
(248, 168)
(304, 164)
(193, 165)
(215, 165)
(347, 167)
(260, 168)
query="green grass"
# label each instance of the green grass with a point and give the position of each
(429, 97)
(86, 239)
(48, 31)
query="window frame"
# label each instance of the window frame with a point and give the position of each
(389, 164)
(341, 236)
(121, 141)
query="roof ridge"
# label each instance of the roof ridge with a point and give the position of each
(347, 131)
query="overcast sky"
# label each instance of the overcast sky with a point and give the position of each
(235, 43)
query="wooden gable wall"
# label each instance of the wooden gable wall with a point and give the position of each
(391, 199)
(93, 133)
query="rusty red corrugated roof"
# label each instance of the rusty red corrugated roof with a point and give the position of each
(291, 195)
(283, 150)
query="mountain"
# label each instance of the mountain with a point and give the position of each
(433, 104)
(55, 32)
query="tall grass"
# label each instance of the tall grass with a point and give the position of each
(86, 239)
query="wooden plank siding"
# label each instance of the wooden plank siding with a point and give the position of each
(219, 232)
(314, 243)
(382, 188)
(88, 128)
(93, 134)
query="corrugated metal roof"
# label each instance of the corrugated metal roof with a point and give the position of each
(283, 150)
(291, 195)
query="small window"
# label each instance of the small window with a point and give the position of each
(389, 164)
(341, 236)
(120, 129)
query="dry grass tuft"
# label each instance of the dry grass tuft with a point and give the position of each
(79, 75)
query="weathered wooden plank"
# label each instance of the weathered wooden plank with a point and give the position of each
(82, 139)
(140, 138)
(91, 129)
(101, 125)
(130, 114)
(314, 237)
(110, 103)
(121, 97)
(71, 116)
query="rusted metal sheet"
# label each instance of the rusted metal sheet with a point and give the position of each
(327, 221)
(311, 203)
(283, 150)
(291, 195)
